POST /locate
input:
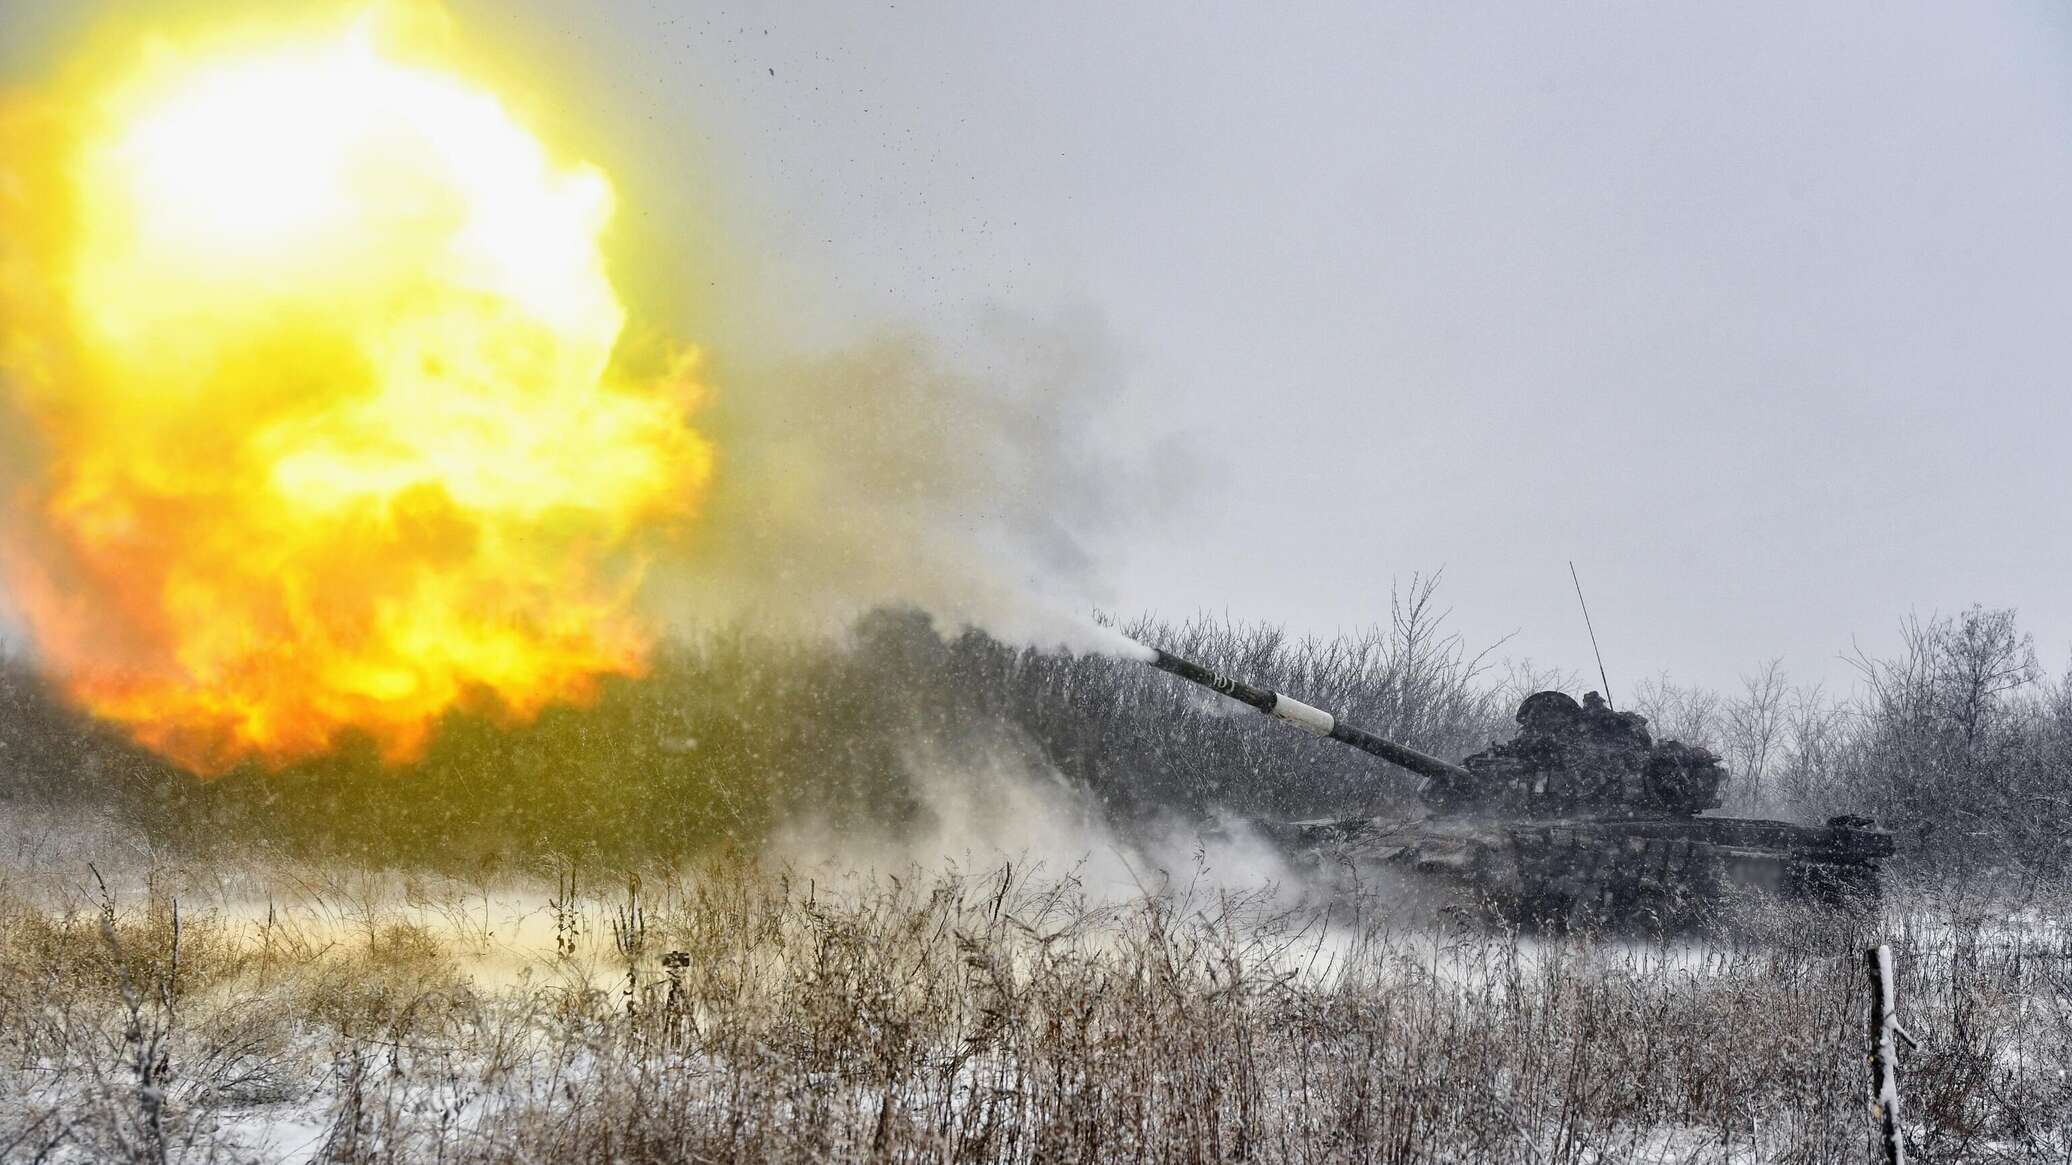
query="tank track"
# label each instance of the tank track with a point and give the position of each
(1665, 870)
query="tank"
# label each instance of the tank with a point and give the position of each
(1581, 817)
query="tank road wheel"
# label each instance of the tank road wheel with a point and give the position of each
(1640, 877)
(1687, 883)
(1560, 880)
(1844, 886)
(1547, 911)
(1646, 884)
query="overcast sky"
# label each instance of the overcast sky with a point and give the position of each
(1756, 311)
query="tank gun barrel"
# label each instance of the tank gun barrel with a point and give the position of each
(1315, 721)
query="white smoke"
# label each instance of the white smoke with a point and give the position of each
(987, 805)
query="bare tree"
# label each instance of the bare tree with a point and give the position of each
(1753, 726)
(1675, 712)
(1947, 751)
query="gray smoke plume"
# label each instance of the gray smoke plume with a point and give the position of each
(972, 481)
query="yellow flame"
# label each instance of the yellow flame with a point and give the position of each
(317, 342)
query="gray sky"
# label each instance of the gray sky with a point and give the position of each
(1755, 311)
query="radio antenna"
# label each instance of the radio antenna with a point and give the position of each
(1601, 677)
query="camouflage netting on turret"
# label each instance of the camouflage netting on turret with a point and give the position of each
(1571, 758)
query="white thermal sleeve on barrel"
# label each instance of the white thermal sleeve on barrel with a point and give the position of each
(1303, 716)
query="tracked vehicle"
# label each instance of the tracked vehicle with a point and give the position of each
(1582, 816)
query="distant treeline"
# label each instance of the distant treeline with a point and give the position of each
(1958, 742)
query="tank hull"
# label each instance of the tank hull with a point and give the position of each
(1652, 870)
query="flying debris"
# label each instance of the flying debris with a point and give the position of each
(1582, 817)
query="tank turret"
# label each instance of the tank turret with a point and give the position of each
(1571, 758)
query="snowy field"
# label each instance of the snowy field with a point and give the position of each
(741, 1010)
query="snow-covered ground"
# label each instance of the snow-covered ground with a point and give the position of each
(744, 1009)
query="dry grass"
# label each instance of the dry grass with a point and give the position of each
(734, 1011)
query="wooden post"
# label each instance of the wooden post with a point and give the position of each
(1884, 1033)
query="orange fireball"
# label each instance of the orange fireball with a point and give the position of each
(312, 342)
